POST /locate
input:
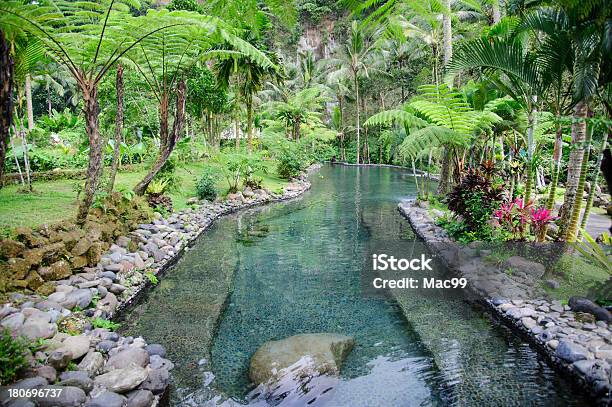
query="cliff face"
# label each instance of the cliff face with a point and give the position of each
(319, 39)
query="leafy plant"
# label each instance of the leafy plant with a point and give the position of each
(239, 166)
(206, 185)
(157, 187)
(151, 277)
(290, 162)
(13, 356)
(474, 199)
(595, 253)
(104, 323)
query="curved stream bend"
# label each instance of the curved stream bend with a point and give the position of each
(295, 268)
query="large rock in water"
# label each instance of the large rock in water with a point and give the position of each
(326, 350)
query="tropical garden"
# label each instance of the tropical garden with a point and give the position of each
(501, 110)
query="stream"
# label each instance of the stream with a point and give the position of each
(295, 267)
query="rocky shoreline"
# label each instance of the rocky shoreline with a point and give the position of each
(574, 343)
(79, 353)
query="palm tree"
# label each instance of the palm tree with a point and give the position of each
(166, 58)
(298, 109)
(522, 81)
(250, 77)
(353, 63)
(6, 97)
(437, 117)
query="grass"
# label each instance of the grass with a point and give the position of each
(55, 201)
(576, 277)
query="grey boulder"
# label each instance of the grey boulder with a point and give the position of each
(140, 398)
(128, 357)
(122, 380)
(571, 351)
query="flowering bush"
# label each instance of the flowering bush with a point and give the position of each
(540, 218)
(516, 217)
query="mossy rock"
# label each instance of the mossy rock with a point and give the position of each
(46, 288)
(18, 268)
(34, 280)
(11, 248)
(34, 256)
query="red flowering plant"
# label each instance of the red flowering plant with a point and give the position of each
(515, 217)
(540, 218)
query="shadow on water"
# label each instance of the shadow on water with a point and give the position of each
(297, 268)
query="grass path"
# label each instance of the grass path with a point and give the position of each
(54, 201)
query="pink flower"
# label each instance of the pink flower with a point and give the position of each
(541, 216)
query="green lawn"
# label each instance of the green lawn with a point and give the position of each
(576, 277)
(54, 201)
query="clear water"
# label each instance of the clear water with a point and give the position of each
(295, 268)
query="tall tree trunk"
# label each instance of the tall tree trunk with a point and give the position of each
(237, 133)
(447, 32)
(26, 156)
(15, 156)
(249, 123)
(6, 99)
(495, 6)
(366, 145)
(574, 164)
(402, 90)
(342, 152)
(30, 109)
(49, 100)
(589, 203)
(557, 154)
(91, 109)
(297, 130)
(445, 172)
(572, 229)
(118, 128)
(166, 148)
(530, 147)
(358, 126)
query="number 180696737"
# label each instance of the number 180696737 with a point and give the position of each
(37, 393)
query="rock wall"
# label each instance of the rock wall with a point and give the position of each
(33, 259)
(318, 39)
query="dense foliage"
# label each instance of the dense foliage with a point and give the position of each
(14, 354)
(206, 186)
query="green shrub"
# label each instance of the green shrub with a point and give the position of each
(474, 199)
(151, 277)
(13, 356)
(290, 163)
(206, 185)
(238, 166)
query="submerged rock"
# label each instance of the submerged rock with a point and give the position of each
(326, 350)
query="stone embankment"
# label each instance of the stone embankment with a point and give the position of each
(578, 344)
(79, 353)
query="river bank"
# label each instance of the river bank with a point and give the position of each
(579, 348)
(79, 351)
